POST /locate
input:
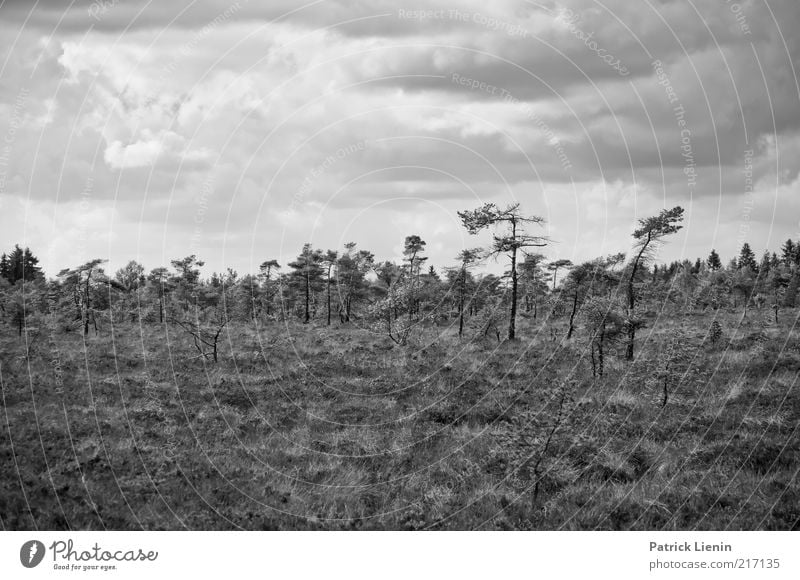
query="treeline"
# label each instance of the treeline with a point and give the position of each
(609, 296)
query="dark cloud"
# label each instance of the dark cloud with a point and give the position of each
(148, 101)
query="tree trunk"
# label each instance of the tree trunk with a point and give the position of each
(600, 357)
(461, 302)
(308, 297)
(512, 323)
(572, 315)
(632, 300)
(776, 307)
(86, 305)
(329, 296)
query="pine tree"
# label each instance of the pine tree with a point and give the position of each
(510, 242)
(5, 268)
(15, 264)
(765, 265)
(533, 279)
(307, 276)
(30, 266)
(790, 297)
(555, 266)
(161, 285)
(648, 235)
(329, 260)
(412, 250)
(21, 265)
(351, 282)
(788, 252)
(747, 259)
(459, 279)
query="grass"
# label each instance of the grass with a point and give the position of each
(298, 427)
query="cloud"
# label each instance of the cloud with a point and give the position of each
(462, 103)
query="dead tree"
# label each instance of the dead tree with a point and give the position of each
(206, 336)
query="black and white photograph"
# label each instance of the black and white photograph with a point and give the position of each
(452, 265)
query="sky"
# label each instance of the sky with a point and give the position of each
(240, 131)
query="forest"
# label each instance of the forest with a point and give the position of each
(339, 391)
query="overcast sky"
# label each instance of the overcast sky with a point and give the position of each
(239, 131)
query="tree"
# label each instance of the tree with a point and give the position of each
(743, 280)
(267, 267)
(30, 266)
(556, 266)
(508, 242)
(603, 324)
(351, 282)
(673, 363)
(388, 274)
(789, 252)
(587, 279)
(686, 282)
(187, 279)
(5, 268)
(329, 260)
(575, 288)
(467, 259)
(790, 296)
(648, 236)
(188, 268)
(18, 306)
(747, 259)
(83, 281)
(307, 276)
(412, 248)
(533, 281)
(159, 278)
(766, 264)
(776, 283)
(204, 336)
(131, 276)
(713, 261)
(129, 279)
(270, 286)
(21, 265)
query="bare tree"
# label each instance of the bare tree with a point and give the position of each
(206, 335)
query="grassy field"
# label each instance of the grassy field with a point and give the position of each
(305, 427)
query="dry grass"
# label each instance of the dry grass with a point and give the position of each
(346, 430)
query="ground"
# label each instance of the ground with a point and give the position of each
(307, 427)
